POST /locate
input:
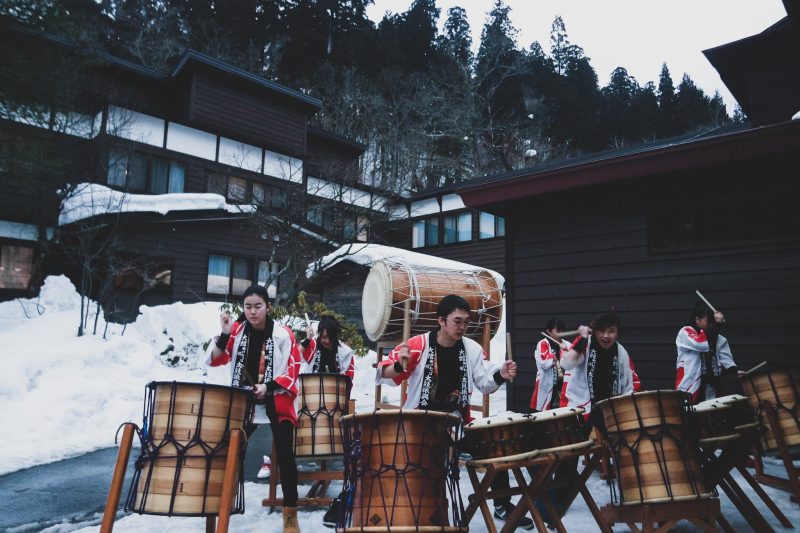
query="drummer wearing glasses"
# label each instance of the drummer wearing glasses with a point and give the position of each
(441, 368)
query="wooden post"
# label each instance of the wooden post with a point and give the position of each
(406, 336)
(229, 481)
(487, 340)
(117, 479)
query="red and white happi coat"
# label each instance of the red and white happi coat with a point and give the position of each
(545, 358)
(692, 346)
(344, 358)
(285, 366)
(480, 372)
(575, 391)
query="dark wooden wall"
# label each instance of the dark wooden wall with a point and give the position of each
(574, 255)
(189, 244)
(231, 111)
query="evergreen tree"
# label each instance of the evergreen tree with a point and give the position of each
(693, 108)
(666, 103)
(457, 39)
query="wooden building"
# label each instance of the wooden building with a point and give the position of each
(639, 232)
(202, 127)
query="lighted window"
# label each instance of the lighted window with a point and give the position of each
(16, 266)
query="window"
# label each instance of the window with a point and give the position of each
(457, 228)
(320, 216)
(237, 189)
(143, 273)
(269, 196)
(356, 229)
(268, 272)
(425, 232)
(143, 173)
(229, 275)
(16, 265)
(491, 226)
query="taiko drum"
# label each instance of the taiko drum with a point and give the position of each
(184, 449)
(778, 387)
(389, 285)
(402, 465)
(322, 400)
(654, 451)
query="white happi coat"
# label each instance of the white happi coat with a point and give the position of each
(480, 372)
(545, 358)
(692, 347)
(575, 391)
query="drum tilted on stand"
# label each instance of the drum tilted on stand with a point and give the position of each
(322, 401)
(781, 389)
(389, 285)
(498, 436)
(723, 419)
(401, 467)
(559, 429)
(654, 451)
(184, 447)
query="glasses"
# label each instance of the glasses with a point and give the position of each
(459, 323)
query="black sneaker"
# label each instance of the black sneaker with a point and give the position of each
(331, 514)
(504, 510)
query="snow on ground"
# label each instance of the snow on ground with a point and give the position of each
(63, 396)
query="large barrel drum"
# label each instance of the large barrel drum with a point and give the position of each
(389, 285)
(184, 448)
(401, 466)
(779, 387)
(654, 452)
(322, 400)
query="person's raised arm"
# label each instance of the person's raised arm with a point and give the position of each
(571, 357)
(226, 324)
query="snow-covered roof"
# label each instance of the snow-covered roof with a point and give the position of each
(368, 254)
(92, 199)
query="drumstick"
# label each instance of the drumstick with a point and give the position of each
(706, 301)
(308, 322)
(508, 351)
(406, 326)
(562, 342)
(759, 365)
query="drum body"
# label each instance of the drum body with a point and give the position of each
(558, 428)
(322, 400)
(779, 387)
(400, 465)
(654, 451)
(389, 285)
(184, 448)
(498, 436)
(722, 419)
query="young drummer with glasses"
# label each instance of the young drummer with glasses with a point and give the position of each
(441, 368)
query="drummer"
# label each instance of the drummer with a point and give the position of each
(705, 364)
(265, 358)
(597, 366)
(549, 374)
(441, 368)
(326, 353)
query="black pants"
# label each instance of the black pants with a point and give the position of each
(282, 436)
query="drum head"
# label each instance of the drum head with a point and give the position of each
(560, 412)
(504, 419)
(376, 300)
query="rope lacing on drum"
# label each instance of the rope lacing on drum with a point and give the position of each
(657, 437)
(330, 413)
(151, 452)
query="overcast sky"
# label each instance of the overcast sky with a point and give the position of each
(639, 35)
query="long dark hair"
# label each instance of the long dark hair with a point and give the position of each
(555, 323)
(700, 310)
(332, 328)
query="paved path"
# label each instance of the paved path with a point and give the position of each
(75, 490)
